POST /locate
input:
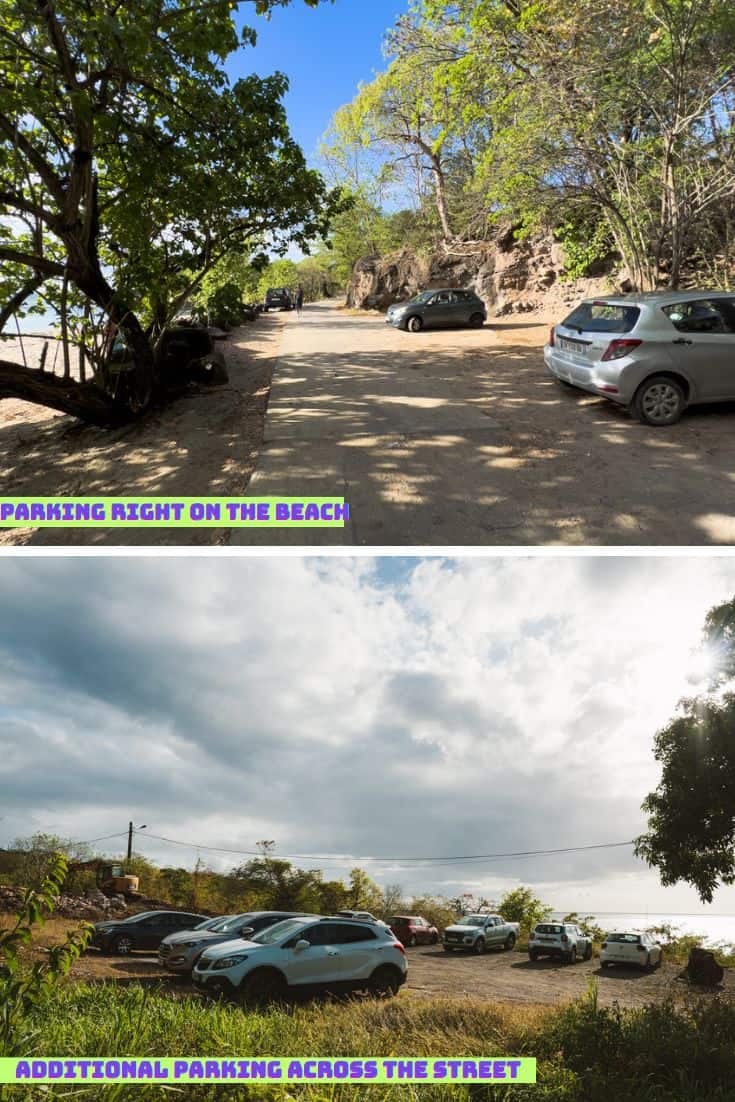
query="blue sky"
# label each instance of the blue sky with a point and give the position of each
(325, 52)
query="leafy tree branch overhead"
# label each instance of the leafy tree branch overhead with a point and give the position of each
(129, 166)
(691, 814)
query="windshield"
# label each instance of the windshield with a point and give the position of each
(423, 297)
(210, 923)
(226, 924)
(472, 920)
(275, 933)
(602, 317)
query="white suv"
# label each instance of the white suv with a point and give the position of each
(309, 952)
(559, 939)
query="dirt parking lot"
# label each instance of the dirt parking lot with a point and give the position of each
(432, 973)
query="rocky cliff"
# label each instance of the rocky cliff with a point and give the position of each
(511, 276)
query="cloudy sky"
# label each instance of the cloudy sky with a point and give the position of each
(388, 708)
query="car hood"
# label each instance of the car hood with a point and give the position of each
(236, 945)
(202, 937)
(456, 928)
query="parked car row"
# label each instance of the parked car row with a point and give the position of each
(654, 353)
(259, 955)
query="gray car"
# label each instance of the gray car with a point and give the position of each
(655, 353)
(179, 952)
(445, 308)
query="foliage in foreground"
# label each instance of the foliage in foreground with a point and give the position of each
(586, 1053)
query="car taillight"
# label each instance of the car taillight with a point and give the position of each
(552, 337)
(619, 348)
(397, 945)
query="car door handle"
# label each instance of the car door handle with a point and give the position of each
(332, 952)
(681, 340)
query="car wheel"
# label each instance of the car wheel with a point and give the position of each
(588, 951)
(123, 945)
(510, 941)
(384, 982)
(477, 321)
(479, 946)
(434, 939)
(414, 324)
(263, 987)
(572, 955)
(412, 941)
(659, 401)
(532, 954)
(448, 949)
(647, 965)
(604, 964)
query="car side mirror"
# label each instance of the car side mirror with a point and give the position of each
(301, 944)
(245, 931)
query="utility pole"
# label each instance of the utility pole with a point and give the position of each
(130, 841)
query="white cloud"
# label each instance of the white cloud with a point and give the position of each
(343, 706)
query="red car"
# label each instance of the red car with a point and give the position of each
(413, 930)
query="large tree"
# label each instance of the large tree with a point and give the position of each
(691, 814)
(129, 165)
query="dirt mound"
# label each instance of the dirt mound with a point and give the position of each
(92, 906)
(510, 276)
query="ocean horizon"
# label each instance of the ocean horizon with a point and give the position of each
(714, 930)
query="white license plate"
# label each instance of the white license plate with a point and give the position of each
(572, 346)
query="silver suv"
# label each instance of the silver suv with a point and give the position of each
(656, 353)
(559, 939)
(305, 953)
(179, 952)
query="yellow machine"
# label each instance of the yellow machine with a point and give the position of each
(110, 879)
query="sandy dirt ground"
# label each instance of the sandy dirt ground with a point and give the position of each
(497, 976)
(206, 443)
(437, 438)
(461, 437)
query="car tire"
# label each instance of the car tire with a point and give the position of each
(571, 956)
(647, 965)
(123, 945)
(434, 939)
(477, 321)
(659, 401)
(412, 941)
(604, 964)
(532, 954)
(262, 987)
(510, 941)
(588, 952)
(448, 949)
(414, 324)
(479, 946)
(384, 982)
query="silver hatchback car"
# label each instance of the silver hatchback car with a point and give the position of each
(655, 353)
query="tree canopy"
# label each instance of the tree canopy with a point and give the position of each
(691, 814)
(129, 167)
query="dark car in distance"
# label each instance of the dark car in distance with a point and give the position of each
(142, 931)
(278, 298)
(446, 308)
(413, 930)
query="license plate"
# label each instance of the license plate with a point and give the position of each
(572, 346)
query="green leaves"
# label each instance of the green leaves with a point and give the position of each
(22, 986)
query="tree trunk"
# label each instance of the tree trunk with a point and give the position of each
(441, 200)
(84, 400)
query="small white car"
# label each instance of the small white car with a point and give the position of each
(631, 948)
(559, 939)
(306, 953)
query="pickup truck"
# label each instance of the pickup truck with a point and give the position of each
(480, 932)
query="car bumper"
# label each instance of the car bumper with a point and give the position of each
(591, 378)
(462, 943)
(176, 962)
(210, 982)
(394, 320)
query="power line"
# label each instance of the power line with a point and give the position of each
(417, 861)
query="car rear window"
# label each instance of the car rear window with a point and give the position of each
(627, 939)
(549, 928)
(602, 317)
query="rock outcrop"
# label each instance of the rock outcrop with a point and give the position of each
(702, 968)
(93, 906)
(511, 276)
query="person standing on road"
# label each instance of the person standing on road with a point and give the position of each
(299, 299)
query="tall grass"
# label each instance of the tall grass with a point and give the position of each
(586, 1053)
